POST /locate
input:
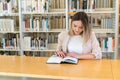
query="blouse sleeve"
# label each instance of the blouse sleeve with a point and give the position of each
(59, 45)
(96, 50)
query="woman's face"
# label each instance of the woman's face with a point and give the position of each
(77, 27)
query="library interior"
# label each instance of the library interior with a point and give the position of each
(30, 32)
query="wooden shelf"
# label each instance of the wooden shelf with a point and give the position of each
(108, 51)
(101, 12)
(103, 30)
(40, 13)
(52, 30)
(9, 49)
(46, 50)
(9, 32)
(52, 11)
(9, 14)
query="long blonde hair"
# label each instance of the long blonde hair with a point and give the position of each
(81, 16)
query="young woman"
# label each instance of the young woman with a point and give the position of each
(80, 41)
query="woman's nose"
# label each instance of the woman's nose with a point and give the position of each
(77, 29)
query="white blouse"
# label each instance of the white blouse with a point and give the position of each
(75, 44)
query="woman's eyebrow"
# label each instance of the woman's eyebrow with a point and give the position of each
(74, 25)
(78, 26)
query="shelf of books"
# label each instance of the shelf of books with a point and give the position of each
(42, 21)
(102, 18)
(9, 27)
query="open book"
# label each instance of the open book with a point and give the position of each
(55, 59)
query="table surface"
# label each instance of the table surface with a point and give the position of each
(36, 67)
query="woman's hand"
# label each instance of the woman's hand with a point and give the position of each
(72, 55)
(60, 54)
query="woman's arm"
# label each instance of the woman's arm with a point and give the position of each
(96, 50)
(59, 51)
(82, 56)
(86, 56)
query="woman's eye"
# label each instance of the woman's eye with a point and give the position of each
(75, 26)
(80, 27)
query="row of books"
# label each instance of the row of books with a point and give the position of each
(90, 5)
(104, 3)
(53, 37)
(10, 41)
(42, 6)
(58, 22)
(104, 21)
(57, 4)
(11, 6)
(46, 5)
(101, 22)
(40, 41)
(27, 53)
(107, 43)
(8, 6)
(9, 53)
(35, 6)
(7, 25)
(35, 43)
(38, 53)
(44, 24)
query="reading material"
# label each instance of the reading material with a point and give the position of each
(55, 59)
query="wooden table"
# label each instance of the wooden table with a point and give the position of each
(36, 67)
(116, 69)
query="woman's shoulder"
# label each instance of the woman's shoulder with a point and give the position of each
(92, 33)
(63, 33)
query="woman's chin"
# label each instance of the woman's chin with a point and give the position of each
(77, 34)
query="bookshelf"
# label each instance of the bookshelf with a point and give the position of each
(9, 27)
(40, 21)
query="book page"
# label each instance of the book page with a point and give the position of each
(70, 60)
(54, 59)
